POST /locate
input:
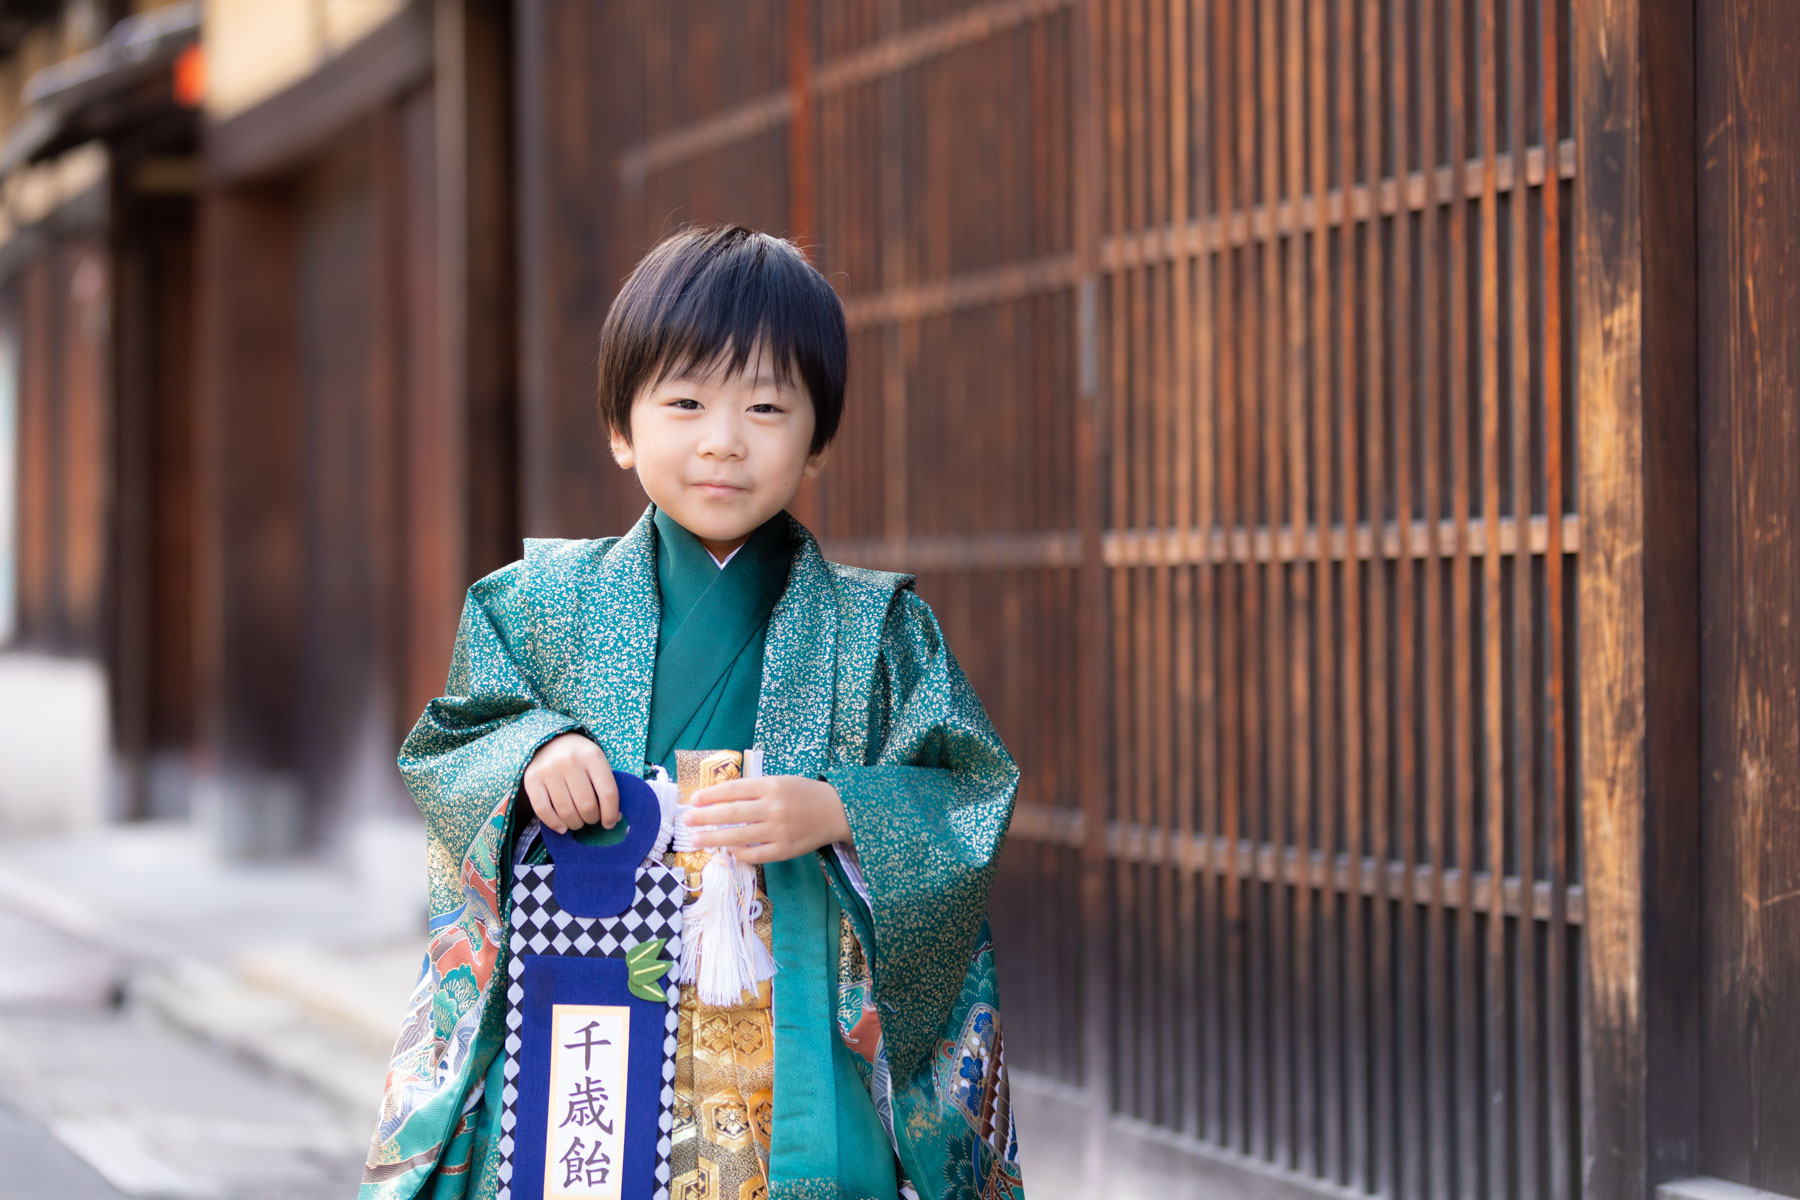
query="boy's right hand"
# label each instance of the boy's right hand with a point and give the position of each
(570, 784)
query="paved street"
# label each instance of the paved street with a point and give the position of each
(102, 1100)
(39, 1165)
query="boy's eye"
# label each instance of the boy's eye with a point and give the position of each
(766, 407)
(687, 402)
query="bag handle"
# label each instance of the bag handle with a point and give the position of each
(601, 881)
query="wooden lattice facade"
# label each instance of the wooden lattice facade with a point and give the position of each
(1212, 367)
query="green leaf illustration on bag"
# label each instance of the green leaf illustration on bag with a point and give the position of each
(646, 965)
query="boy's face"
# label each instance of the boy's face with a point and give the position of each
(721, 453)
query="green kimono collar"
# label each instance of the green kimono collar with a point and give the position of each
(709, 616)
(686, 569)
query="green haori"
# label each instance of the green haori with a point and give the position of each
(856, 686)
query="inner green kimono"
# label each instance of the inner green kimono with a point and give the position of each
(854, 684)
(709, 643)
(709, 664)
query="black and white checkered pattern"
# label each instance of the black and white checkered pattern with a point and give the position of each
(540, 926)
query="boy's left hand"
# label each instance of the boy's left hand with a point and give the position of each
(774, 817)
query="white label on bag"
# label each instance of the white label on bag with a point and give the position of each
(589, 1046)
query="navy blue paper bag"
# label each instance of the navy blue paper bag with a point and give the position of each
(591, 1020)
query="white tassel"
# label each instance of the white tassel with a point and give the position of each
(704, 919)
(720, 952)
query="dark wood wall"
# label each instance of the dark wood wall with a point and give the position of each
(324, 527)
(359, 452)
(312, 327)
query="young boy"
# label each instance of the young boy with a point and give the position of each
(871, 1064)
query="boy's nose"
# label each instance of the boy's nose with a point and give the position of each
(721, 439)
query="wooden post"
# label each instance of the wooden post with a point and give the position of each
(249, 533)
(477, 328)
(1637, 589)
(1750, 501)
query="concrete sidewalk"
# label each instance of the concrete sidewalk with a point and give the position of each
(295, 965)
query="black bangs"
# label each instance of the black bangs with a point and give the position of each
(705, 298)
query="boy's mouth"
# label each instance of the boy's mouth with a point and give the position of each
(718, 489)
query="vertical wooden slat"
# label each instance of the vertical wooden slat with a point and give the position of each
(1273, 1008)
(1558, 1036)
(1357, 1017)
(1469, 1098)
(1322, 1125)
(1499, 1159)
(1122, 513)
(1134, 338)
(1301, 1078)
(1234, 634)
(1154, 471)
(802, 175)
(1209, 466)
(1253, 109)
(1522, 743)
(1183, 1058)
(1399, 320)
(901, 341)
(1376, 371)
(1087, 217)
(1433, 396)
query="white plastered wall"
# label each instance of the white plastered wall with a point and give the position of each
(255, 48)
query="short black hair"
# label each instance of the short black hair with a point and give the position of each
(704, 293)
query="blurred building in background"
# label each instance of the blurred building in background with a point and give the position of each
(1348, 441)
(99, 156)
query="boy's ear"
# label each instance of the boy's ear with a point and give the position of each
(816, 463)
(622, 452)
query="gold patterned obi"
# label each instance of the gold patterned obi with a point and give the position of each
(725, 1058)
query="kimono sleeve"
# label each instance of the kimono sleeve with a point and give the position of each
(928, 811)
(468, 752)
